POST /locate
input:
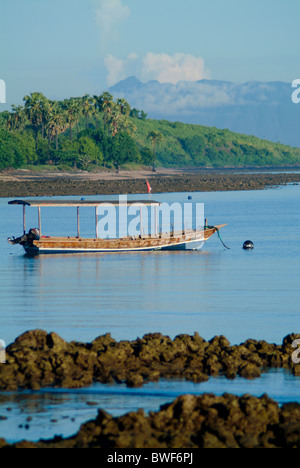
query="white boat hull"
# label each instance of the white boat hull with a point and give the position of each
(192, 245)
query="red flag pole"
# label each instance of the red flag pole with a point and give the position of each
(149, 188)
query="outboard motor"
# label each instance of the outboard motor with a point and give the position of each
(34, 234)
(26, 239)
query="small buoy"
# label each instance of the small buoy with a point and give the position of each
(190, 197)
(248, 245)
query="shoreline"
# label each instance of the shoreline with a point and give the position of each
(39, 359)
(188, 422)
(24, 183)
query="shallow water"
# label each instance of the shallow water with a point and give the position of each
(43, 414)
(236, 293)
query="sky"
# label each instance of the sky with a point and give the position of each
(67, 48)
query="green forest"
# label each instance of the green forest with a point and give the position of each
(95, 132)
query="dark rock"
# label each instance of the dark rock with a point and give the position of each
(134, 380)
(250, 371)
(186, 181)
(190, 421)
(39, 359)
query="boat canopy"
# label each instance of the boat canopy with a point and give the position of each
(122, 202)
(77, 203)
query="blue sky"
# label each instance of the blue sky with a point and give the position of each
(68, 48)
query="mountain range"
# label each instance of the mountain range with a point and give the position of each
(262, 109)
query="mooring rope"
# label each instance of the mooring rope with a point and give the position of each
(219, 235)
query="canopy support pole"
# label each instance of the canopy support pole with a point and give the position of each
(78, 223)
(96, 222)
(24, 219)
(40, 221)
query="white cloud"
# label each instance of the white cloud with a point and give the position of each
(115, 68)
(133, 56)
(183, 98)
(173, 68)
(119, 69)
(161, 67)
(188, 99)
(108, 14)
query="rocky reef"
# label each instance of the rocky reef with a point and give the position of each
(40, 185)
(205, 421)
(39, 359)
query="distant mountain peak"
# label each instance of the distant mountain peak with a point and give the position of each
(259, 108)
(128, 83)
(130, 80)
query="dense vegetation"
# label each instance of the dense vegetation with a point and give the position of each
(92, 132)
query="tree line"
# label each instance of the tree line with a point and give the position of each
(92, 132)
(80, 132)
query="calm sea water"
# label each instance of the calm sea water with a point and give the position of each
(236, 293)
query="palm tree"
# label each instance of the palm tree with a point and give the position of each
(45, 107)
(155, 137)
(88, 107)
(35, 108)
(16, 118)
(105, 104)
(117, 119)
(114, 120)
(124, 107)
(77, 108)
(97, 106)
(72, 111)
(57, 123)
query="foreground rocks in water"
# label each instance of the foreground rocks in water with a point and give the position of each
(205, 421)
(39, 359)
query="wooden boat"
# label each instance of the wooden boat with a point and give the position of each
(35, 243)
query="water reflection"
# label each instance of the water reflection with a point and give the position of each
(107, 291)
(235, 293)
(45, 413)
(215, 292)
